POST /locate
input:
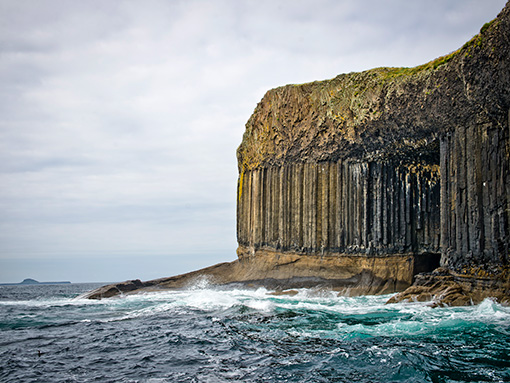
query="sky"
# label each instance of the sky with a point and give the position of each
(119, 120)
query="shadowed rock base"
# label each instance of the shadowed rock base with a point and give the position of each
(445, 288)
(347, 274)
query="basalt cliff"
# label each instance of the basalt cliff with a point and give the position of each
(371, 181)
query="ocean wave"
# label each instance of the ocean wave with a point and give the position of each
(212, 334)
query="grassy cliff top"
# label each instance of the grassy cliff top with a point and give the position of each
(383, 112)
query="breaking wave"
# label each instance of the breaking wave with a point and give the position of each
(204, 334)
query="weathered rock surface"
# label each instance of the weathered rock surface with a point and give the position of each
(446, 288)
(338, 208)
(348, 274)
(360, 182)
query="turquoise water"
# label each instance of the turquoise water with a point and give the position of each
(210, 335)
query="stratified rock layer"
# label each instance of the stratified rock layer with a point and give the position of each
(276, 270)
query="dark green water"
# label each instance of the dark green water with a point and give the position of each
(207, 335)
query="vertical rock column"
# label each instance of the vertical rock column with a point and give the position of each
(474, 198)
(343, 207)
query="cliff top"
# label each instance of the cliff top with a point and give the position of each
(384, 112)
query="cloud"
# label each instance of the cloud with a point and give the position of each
(119, 120)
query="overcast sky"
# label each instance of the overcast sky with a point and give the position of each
(119, 120)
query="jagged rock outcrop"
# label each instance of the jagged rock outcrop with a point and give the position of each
(360, 182)
(442, 287)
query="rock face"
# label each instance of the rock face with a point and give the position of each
(388, 161)
(373, 208)
(362, 181)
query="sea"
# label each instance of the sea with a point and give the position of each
(48, 333)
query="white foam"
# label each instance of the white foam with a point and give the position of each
(260, 305)
(396, 319)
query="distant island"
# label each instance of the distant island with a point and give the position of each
(30, 281)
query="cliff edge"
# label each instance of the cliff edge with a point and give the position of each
(362, 182)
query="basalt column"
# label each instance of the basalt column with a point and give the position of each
(475, 190)
(343, 207)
